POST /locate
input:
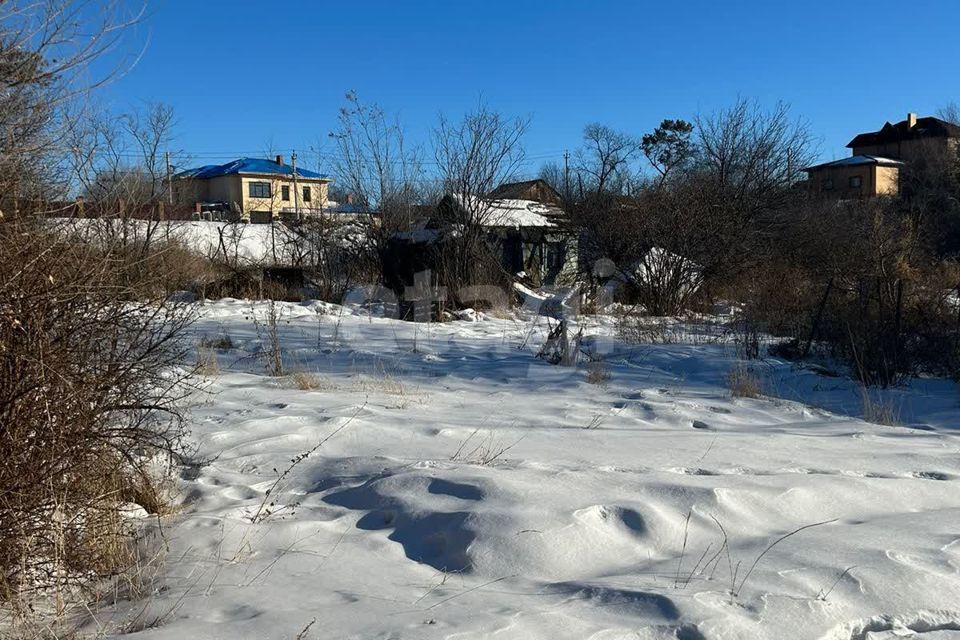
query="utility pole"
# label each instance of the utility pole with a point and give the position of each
(296, 189)
(166, 157)
(566, 175)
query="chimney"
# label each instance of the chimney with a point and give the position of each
(911, 120)
(280, 160)
(349, 198)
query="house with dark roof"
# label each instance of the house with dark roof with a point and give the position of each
(879, 156)
(252, 190)
(534, 190)
(907, 139)
(524, 234)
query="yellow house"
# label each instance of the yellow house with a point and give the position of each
(856, 177)
(252, 190)
(879, 156)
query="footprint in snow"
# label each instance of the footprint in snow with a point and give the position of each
(693, 471)
(931, 475)
(454, 489)
(642, 603)
(612, 516)
(931, 624)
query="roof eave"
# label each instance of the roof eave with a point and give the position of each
(276, 175)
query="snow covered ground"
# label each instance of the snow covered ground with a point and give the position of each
(240, 244)
(474, 491)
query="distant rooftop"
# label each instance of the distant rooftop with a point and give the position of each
(912, 128)
(859, 160)
(526, 190)
(254, 166)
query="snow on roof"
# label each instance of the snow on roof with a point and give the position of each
(517, 213)
(859, 160)
(246, 165)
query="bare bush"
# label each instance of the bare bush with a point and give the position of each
(207, 362)
(221, 342)
(743, 383)
(92, 380)
(878, 409)
(383, 174)
(598, 373)
(633, 327)
(91, 389)
(267, 323)
(719, 190)
(560, 348)
(474, 156)
(482, 450)
(857, 284)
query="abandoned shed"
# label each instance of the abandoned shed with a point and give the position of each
(525, 235)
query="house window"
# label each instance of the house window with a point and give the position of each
(259, 189)
(306, 194)
(285, 192)
(827, 184)
(855, 182)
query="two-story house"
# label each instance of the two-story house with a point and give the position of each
(252, 190)
(878, 157)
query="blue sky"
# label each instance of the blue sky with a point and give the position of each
(245, 75)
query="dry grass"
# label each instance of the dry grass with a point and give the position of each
(501, 312)
(222, 342)
(879, 410)
(380, 382)
(124, 551)
(482, 450)
(692, 328)
(743, 383)
(598, 373)
(308, 381)
(207, 363)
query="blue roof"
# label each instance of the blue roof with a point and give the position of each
(246, 165)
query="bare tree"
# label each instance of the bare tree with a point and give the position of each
(553, 174)
(474, 156)
(740, 169)
(930, 196)
(753, 157)
(379, 170)
(604, 158)
(124, 157)
(950, 112)
(45, 51)
(374, 162)
(119, 164)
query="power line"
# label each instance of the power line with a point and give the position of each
(332, 157)
(265, 152)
